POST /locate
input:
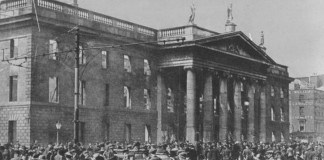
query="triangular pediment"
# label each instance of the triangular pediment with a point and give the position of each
(236, 43)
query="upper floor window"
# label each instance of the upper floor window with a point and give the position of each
(147, 69)
(272, 114)
(147, 100)
(301, 98)
(104, 59)
(282, 116)
(13, 88)
(18, 46)
(301, 111)
(281, 93)
(82, 56)
(14, 47)
(272, 91)
(53, 89)
(127, 64)
(53, 49)
(127, 98)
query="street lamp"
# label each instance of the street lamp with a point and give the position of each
(58, 127)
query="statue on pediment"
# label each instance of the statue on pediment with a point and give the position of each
(230, 13)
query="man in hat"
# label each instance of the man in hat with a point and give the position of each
(309, 154)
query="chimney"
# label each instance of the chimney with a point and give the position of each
(230, 26)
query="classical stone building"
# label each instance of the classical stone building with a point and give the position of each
(184, 83)
(306, 100)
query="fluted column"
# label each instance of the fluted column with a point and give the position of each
(161, 103)
(237, 110)
(263, 114)
(223, 115)
(208, 109)
(191, 105)
(251, 115)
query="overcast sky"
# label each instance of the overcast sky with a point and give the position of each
(294, 29)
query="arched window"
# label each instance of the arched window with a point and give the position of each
(272, 114)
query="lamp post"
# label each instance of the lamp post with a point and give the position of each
(58, 127)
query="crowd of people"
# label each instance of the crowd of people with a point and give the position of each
(174, 150)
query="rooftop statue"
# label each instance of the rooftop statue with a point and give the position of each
(193, 14)
(229, 13)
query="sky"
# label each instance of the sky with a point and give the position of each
(293, 29)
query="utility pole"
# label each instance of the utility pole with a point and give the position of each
(76, 87)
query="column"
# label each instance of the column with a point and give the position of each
(251, 116)
(191, 105)
(223, 115)
(161, 103)
(263, 115)
(237, 110)
(208, 109)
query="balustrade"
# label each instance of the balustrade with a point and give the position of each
(75, 11)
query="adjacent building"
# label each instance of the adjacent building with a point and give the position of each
(136, 83)
(307, 108)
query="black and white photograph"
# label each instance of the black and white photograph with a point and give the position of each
(161, 80)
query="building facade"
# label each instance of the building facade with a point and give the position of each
(136, 83)
(307, 108)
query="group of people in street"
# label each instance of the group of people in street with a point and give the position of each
(173, 150)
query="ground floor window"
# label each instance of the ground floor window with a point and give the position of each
(128, 133)
(147, 133)
(12, 131)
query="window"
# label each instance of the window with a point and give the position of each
(282, 116)
(273, 137)
(107, 131)
(107, 95)
(215, 106)
(53, 49)
(147, 100)
(302, 125)
(170, 100)
(127, 64)
(82, 92)
(147, 69)
(82, 57)
(12, 131)
(301, 98)
(272, 91)
(281, 93)
(14, 48)
(272, 114)
(128, 133)
(147, 133)
(242, 86)
(104, 59)
(13, 88)
(53, 89)
(81, 131)
(127, 98)
(282, 137)
(301, 112)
